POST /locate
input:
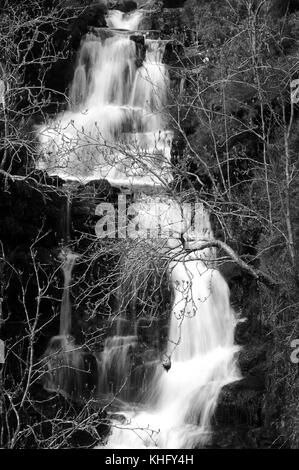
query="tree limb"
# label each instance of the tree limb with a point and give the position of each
(256, 274)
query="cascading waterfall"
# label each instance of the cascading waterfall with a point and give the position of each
(114, 125)
(63, 359)
(115, 128)
(115, 360)
(180, 403)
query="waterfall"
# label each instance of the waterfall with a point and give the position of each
(116, 127)
(202, 355)
(63, 359)
(66, 308)
(115, 112)
(119, 20)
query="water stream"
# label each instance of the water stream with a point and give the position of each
(116, 128)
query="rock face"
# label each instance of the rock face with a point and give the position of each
(239, 417)
(123, 5)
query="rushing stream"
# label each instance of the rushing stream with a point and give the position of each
(116, 128)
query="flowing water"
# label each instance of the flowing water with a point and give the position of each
(201, 356)
(64, 361)
(66, 308)
(115, 128)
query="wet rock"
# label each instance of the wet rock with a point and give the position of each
(166, 362)
(142, 377)
(94, 15)
(239, 404)
(125, 326)
(231, 272)
(140, 48)
(163, 333)
(148, 329)
(149, 355)
(99, 190)
(122, 5)
(68, 39)
(118, 417)
(252, 358)
(85, 199)
(237, 437)
(94, 34)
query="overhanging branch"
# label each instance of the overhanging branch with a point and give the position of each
(256, 274)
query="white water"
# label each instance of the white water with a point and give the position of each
(201, 347)
(119, 20)
(115, 128)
